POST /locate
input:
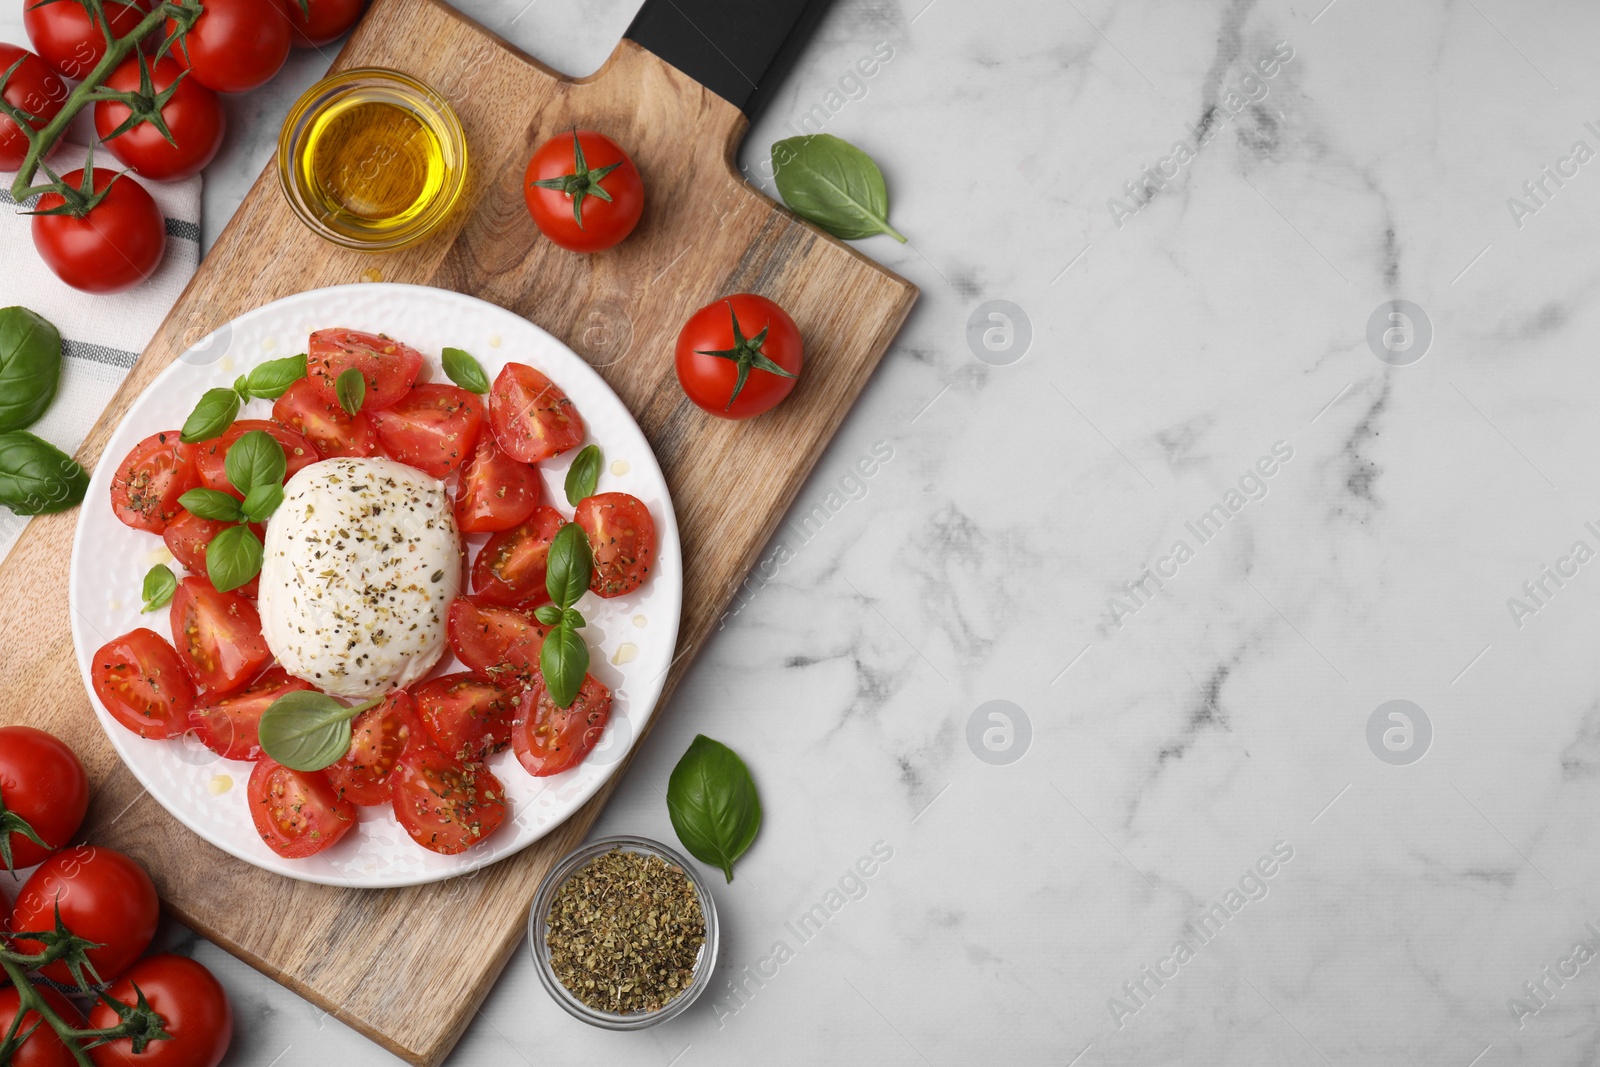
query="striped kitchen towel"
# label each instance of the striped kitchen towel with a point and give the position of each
(101, 335)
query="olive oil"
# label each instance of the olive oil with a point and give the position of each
(372, 159)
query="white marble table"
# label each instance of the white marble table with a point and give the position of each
(1206, 762)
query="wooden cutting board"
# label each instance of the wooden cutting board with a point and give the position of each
(373, 958)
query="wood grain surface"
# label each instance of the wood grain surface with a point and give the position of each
(369, 957)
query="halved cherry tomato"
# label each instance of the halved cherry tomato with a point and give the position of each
(146, 487)
(70, 39)
(622, 538)
(586, 206)
(44, 1048)
(378, 737)
(499, 643)
(332, 430)
(194, 1011)
(104, 897)
(548, 739)
(531, 417)
(467, 717)
(297, 813)
(229, 727)
(43, 784)
(211, 457)
(510, 569)
(447, 806)
(388, 367)
(433, 427)
(218, 637)
(496, 491)
(142, 682)
(187, 538)
(235, 46)
(34, 89)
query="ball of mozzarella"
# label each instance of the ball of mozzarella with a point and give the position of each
(362, 560)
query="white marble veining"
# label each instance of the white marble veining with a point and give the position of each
(1192, 735)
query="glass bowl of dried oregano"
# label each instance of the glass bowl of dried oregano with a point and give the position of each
(623, 933)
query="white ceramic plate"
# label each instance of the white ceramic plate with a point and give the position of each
(207, 793)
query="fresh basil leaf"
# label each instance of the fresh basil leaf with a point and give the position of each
(571, 618)
(272, 379)
(465, 371)
(261, 501)
(210, 504)
(834, 184)
(563, 660)
(584, 474)
(159, 585)
(214, 414)
(256, 458)
(30, 367)
(308, 730)
(548, 615)
(568, 565)
(36, 477)
(233, 558)
(713, 803)
(241, 385)
(351, 389)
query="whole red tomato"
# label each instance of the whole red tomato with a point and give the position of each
(103, 896)
(193, 115)
(327, 21)
(44, 1048)
(583, 191)
(68, 39)
(34, 88)
(739, 357)
(117, 245)
(194, 1012)
(42, 784)
(236, 45)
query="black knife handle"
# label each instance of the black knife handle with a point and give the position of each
(739, 49)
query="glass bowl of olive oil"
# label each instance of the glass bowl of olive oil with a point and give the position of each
(372, 159)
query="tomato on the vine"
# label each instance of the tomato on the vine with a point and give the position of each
(117, 244)
(43, 1048)
(34, 88)
(235, 45)
(41, 784)
(141, 681)
(297, 813)
(445, 805)
(622, 539)
(326, 21)
(68, 38)
(739, 356)
(583, 191)
(194, 1011)
(549, 739)
(103, 896)
(193, 115)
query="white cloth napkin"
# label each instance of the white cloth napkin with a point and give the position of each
(101, 335)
